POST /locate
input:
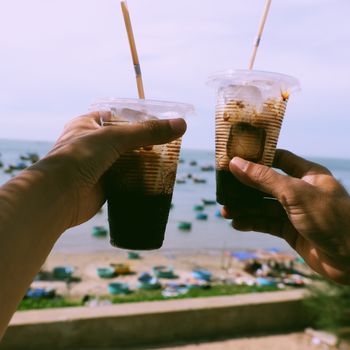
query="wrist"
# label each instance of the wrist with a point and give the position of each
(51, 178)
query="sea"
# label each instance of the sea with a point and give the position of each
(213, 234)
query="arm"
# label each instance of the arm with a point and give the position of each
(60, 191)
(311, 212)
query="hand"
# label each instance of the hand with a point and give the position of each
(86, 150)
(311, 211)
(62, 190)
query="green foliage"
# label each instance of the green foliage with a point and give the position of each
(30, 304)
(218, 290)
(329, 305)
(144, 295)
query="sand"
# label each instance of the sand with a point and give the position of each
(85, 265)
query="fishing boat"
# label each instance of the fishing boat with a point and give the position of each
(266, 281)
(99, 231)
(208, 201)
(144, 277)
(148, 282)
(193, 163)
(201, 274)
(30, 156)
(180, 181)
(134, 256)
(174, 290)
(184, 225)
(202, 216)
(105, 272)
(40, 293)
(62, 272)
(199, 180)
(19, 166)
(207, 167)
(218, 214)
(162, 271)
(117, 288)
(198, 207)
(121, 269)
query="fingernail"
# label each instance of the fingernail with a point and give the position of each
(178, 126)
(240, 163)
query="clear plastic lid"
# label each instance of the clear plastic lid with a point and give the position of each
(264, 81)
(158, 109)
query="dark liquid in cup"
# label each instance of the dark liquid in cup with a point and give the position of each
(137, 221)
(231, 191)
(138, 205)
(245, 141)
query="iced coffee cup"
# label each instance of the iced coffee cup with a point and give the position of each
(249, 113)
(140, 184)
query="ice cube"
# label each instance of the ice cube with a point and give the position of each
(131, 115)
(269, 89)
(247, 93)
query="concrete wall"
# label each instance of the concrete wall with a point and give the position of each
(130, 325)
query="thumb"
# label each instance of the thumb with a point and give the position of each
(151, 132)
(260, 177)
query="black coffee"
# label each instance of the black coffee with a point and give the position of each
(139, 192)
(137, 221)
(231, 191)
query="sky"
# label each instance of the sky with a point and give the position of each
(59, 56)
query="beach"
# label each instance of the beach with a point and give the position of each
(85, 265)
(223, 267)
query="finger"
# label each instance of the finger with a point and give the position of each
(258, 224)
(225, 212)
(296, 166)
(262, 178)
(97, 116)
(281, 227)
(152, 132)
(325, 265)
(87, 122)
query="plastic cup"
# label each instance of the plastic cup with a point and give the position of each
(140, 184)
(249, 113)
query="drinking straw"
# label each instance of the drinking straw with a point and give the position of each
(132, 44)
(260, 32)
